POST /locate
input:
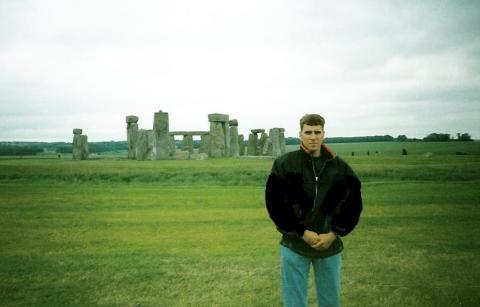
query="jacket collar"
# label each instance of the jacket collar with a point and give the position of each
(325, 150)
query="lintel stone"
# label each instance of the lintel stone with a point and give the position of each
(189, 133)
(131, 119)
(216, 117)
(258, 130)
(233, 122)
(77, 131)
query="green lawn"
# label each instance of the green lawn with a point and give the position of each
(196, 233)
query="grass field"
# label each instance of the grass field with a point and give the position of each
(195, 233)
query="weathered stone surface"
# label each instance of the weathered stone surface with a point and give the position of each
(189, 132)
(275, 137)
(132, 132)
(226, 132)
(77, 131)
(181, 155)
(180, 133)
(145, 147)
(233, 122)
(267, 147)
(187, 143)
(261, 144)
(282, 141)
(130, 119)
(80, 147)
(204, 143)
(234, 148)
(199, 156)
(241, 145)
(216, 117)
(161, 135)
(217, 145)
(171, 145)
(252, 144)
(258, 130)
(76, 146)
(85, 152)
(278, 141)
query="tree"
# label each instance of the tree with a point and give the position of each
(464, 137)
(402, 138)
(437, 137)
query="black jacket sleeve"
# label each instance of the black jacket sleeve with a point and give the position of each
(281, 206)
(347, 213)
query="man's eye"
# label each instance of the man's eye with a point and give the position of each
(318, 132)
(308, 132)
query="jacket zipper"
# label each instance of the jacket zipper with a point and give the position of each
(316, 181)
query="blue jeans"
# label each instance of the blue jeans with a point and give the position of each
(294, 271)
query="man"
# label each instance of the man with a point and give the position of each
(313, 197)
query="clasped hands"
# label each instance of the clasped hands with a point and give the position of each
(320, 241)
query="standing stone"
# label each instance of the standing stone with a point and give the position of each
(84, 151)
(187, 143)
(261, 144)
(267, 147)
(226, 132)
(275, 137)
(171, 144)
(79, 145)
(145, 147)
(219, 134)
(132, 131)
(217, 140)
(282, 141)
(161, 135)
(204, 141)
(234, 148)
(252, 144)
(241, 145)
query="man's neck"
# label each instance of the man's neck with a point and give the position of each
(311, 153)
(317, 153)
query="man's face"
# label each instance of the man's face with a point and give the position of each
(312, 137)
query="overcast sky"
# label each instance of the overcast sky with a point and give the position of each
(369, 67)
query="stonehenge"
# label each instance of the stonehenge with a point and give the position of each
(234, 146)
(241, 145)
(278, 141)
(145, 145)
(253, 141)
(187, 142)
(132, 132)
(272, 144)
(161, 136)
(221, 140)
(79, 145)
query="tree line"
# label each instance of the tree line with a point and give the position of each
(432, 137)
(32, 148)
